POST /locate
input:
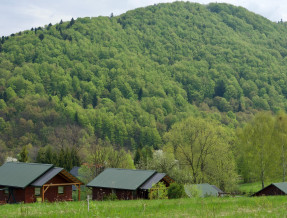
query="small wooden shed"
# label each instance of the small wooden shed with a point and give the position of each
(273, 189)
(31, 182)
(125, 183)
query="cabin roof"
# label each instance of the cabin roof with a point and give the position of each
(121, 178)
(152, 180)
(282, 186)
(47, 176)
(20, 175)
(75, 171)
(208, 190)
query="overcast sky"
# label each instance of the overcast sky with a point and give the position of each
(19, 15)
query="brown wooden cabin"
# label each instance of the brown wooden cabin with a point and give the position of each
(31, 182)
(273, 189)
(126, 184)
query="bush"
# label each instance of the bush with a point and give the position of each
(175, 190)
(158, 191)
(110, 197)
(192, 191)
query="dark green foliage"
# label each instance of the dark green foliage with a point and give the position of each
(95, 100)
(71, 23)
(49, 26)
(140, 94)
(175, 190)
(41, 36)
(143, 157)
(138, 157)
(110, 197)
(66, 158)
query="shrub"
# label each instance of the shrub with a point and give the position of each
(175, 190)
(192, 191)
(158, 191)
(110, 197)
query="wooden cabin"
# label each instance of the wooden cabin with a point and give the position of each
(31, 182)
(126, 184)
(273, 189)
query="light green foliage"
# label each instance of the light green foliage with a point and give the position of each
(88, 173)
(23, 156)
(280, 132)
(163, 162)
(158, 191)
(203, 148)
(261, 148)
(192, 191)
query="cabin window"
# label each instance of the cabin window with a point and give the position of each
(37, 191)
(60, 189)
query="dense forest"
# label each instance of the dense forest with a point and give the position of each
(124, 88)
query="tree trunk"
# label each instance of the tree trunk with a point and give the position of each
(262, 183)
(262, 170)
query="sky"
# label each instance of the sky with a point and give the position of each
(20, 15)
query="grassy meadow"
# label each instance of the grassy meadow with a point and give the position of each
(196, 207)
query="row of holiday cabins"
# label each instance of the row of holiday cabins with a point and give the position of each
(32, 182)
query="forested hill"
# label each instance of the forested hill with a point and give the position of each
(125, 80)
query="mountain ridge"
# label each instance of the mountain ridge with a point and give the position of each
(127, 79)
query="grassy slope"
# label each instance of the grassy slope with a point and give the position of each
(207, 207)
(249, 188)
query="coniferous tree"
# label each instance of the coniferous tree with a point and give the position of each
(41, 36)
(140, 94)
(95, 100)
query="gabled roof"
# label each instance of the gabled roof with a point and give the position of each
(282, 186)
(121, 178)
(208, 190)
(217, 189)
(152, 180)
(20, 175)
(47, 176)
(75, 171)
(64, 173)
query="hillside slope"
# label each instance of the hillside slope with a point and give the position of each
(128, 79)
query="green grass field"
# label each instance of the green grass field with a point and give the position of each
(197, 207)
(250, 188)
